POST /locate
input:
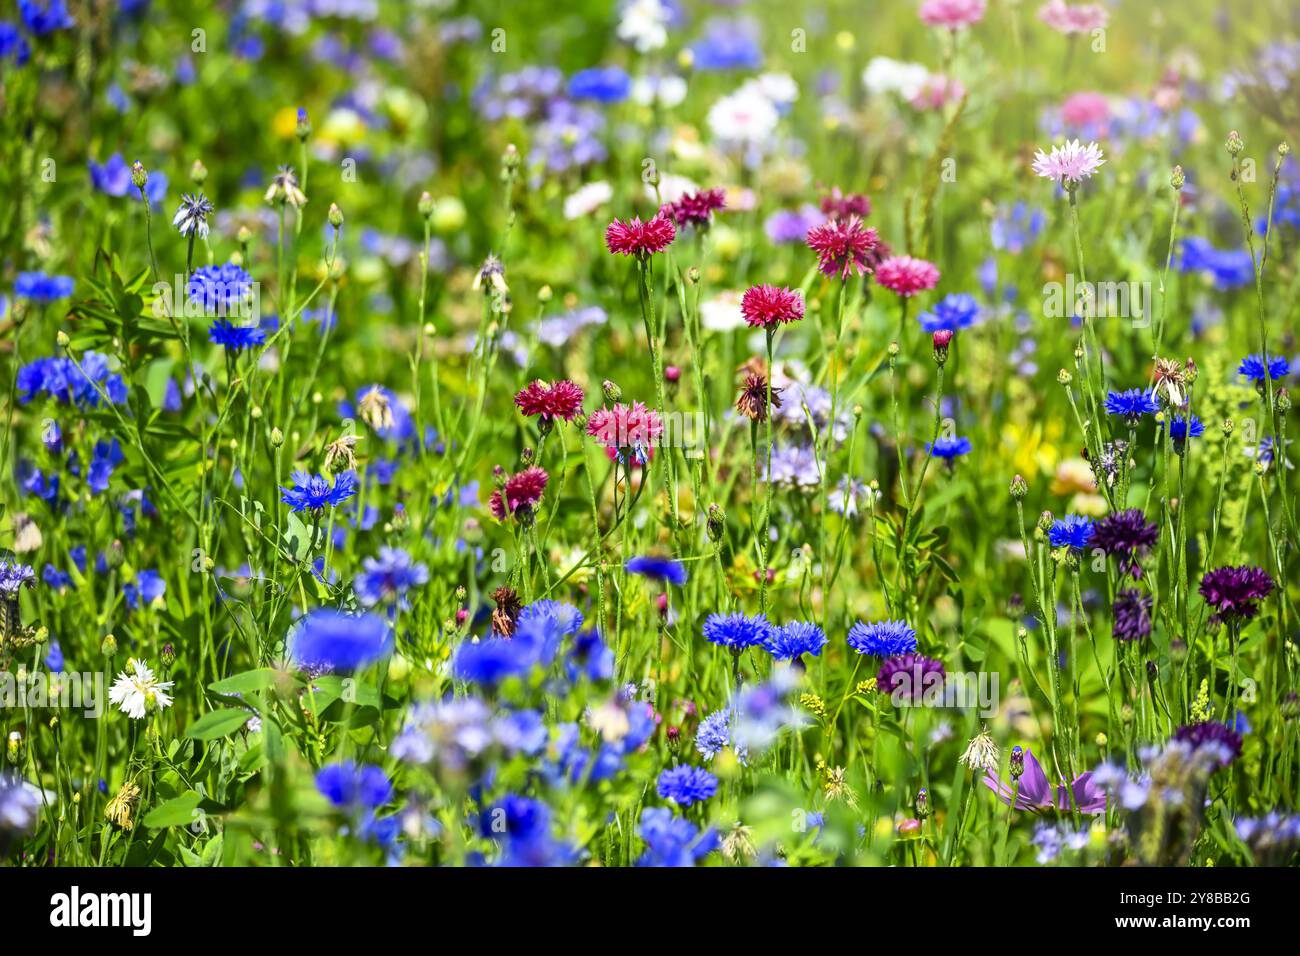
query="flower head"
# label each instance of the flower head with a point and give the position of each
(952, 14)
(882, 638)
(958, 310)
(843, 246)
(752, 401)
(1126, 535)
(949, 448)
(1132, 613)
(235, 337)
(136, 691)
(326, 639)
(1234, 591)
(387, 578)
(1132, 404)
(1070, 163)
(736, 630)
(790, 642)
(910, 674)
(696, 208)
(627, 428)
(547, 402)
(684, 785)
(191, 217)
(1072, 531)
(1070, 18)
(284, 189)
(1258, 369)
(981, 753)
(520, 494)
(906, 276)
(658, 568)
(640, 239)
(1211, 733)
(14, 576)
(839, 205)
(767, 306)
(314, 492)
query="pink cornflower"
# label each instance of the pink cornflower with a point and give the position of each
(843, 246)
(521, 493)
(767, 306)
(1086, 109)
(838, 205)
(626, 428)
(907, 276)
(696, 209)
(937, 91)
(549, 402)
(952, 14)
(1073, 18)
(640, 239)
(1069, 163)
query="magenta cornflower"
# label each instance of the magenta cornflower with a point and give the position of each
(521, 493)
(626, 429)
(907, 276)
(640, 239)
(696, 209)
(952, 14)
(838, 205)
(843, 246)
(766, 306)
(1070, 18)
(1070, 163)
(548, 402)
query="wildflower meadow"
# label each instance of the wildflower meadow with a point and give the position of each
(655, 433)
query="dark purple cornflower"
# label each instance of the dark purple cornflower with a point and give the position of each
(1132, 612)
(1126, 535)
(1234, 590)
(910, 675)
(1212, 733)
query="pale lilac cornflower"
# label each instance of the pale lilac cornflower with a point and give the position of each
(1071, 163)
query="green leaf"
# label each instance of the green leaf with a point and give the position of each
(177, 812)
(247, 682)
(217, 723)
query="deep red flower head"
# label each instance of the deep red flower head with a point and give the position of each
(549, 402)
(907, 276)
(838, 205)
(696, 209)
(641, 239)
(765, 306)
(843, 246)
(942, 338)
(521, 491)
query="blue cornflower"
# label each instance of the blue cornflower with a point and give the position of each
(1016, 227)
(54, 659)
(737, 631)
(671, 840)
(42, 18)
(728, 45)
(313, 492)
(107, 456)
(13, 43)
(658, 568)
(714, 735)
(61, 379)
(590, 658)
(388, 578)
(330, 639)
(147, 588)
(1180, 431)
(605, 84)
(221, 290)
(1253, 367)
(35, 482)
(1072, 531)
(535, 641)
(555, 616)
(1132, 404)
(14, 576)
(40, 287)
(957, 310)
(235, 337)
(113, 178)
(882, 638)
(684, 785)
(352, 787)
(791, 641)
(949, 448)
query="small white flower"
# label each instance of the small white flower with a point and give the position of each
(645, 25)
(136, 690)
(745, 118)
(885, 75)
(587, 199)
(981, 753)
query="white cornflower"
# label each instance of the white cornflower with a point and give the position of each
(885, 75)
(587, 199)
(192, 216)
(136, 690)
(645, 25)
(746, 118)
(981, 753)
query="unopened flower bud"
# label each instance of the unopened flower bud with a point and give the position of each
(335, 215)
(941, 340)
(716, 523)
(1178, 179)
(277, 438)
(1017, 762)
(302, 129)
(611, 391)
(108, 646)
(199, 172)
(168, 654)
(1019, 488)
(139, 175)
